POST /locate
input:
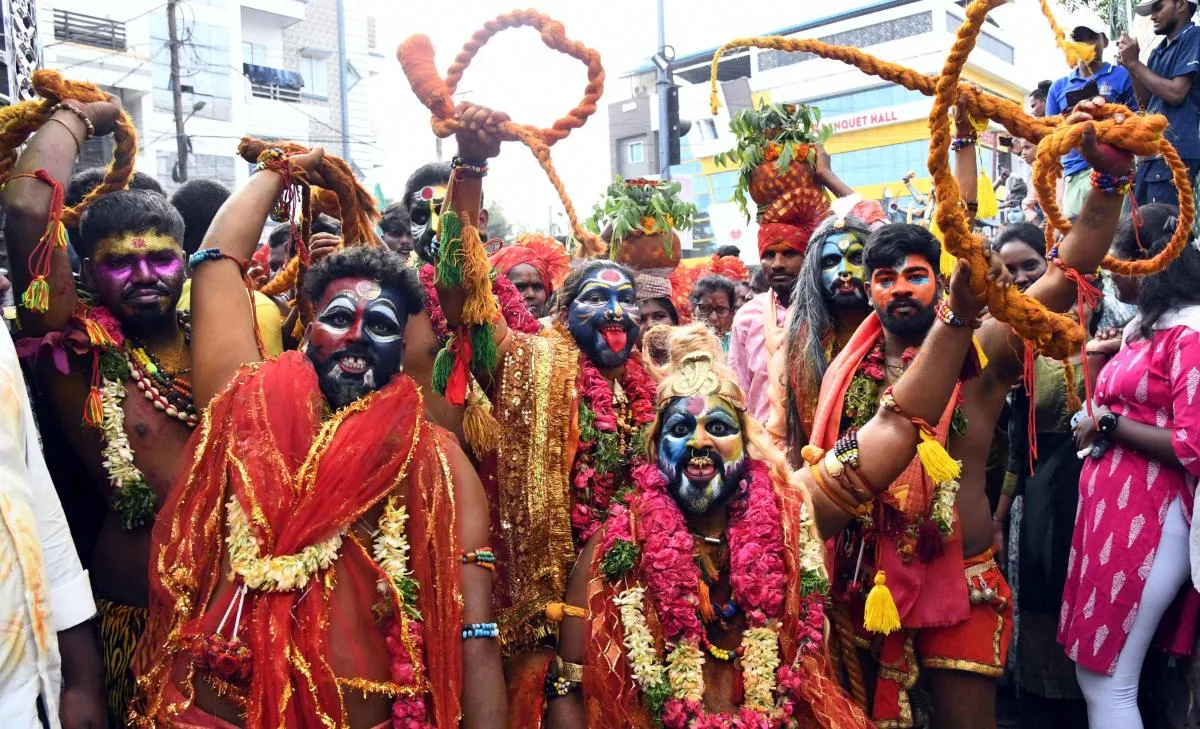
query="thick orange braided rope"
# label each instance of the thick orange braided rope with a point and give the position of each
(25, 118)
(416, 58)
(1074, 51)
(344, 199)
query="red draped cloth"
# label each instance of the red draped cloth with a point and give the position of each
(302, 478)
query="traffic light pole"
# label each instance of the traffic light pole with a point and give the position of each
(663, 85)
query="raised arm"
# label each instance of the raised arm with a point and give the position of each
(26, 202)
(1147, 83)
(466, 199)
(222, 311)
(888, 441)
(1081, 250)
(826, 176)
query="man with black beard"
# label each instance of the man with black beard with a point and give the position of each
(931, 534)
(828, 305)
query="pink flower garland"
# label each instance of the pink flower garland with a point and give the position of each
(512, 306)
(595, 489)
(757, 572)
(408, 712)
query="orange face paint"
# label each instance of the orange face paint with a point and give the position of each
(914, 282)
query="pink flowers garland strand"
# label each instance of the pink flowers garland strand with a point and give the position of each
(408, 712)
(757, 572)
(595, 489)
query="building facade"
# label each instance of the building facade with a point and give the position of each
(265, 68)
(880, 130)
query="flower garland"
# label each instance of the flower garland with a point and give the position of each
(404, 633)
(611, 443)
(861, 402)
(273, 574)
(133, 499)
(758, 576)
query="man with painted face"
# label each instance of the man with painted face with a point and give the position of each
(134, 269)
(323, 459)
(719, 540)
(830, 303)
(573, 403)
(933, 540)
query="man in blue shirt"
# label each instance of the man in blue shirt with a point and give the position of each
(1163, 85)
(1112, 82)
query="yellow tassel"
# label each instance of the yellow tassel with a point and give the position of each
(983, 360)
(938, 464)
(557, 611)
(480, 306)
(985, 197)
(880, 614)
(1077, 52)
(480, 428)
(705, 607)
(37, 296)
(60, 235)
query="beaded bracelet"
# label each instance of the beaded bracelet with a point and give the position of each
(949, 318)
(483, 557)
(64, 106)
(958, 144)
(470, 167)
(1111, 184)
(204, 255)
(480, 630)
(888, 402)
(558, 687)
(268, 156)
(846, 448)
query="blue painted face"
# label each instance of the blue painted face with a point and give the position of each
(701, 451)
(842, 270)
(604, 318)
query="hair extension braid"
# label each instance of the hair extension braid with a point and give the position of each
(416, 58)
(19, 121)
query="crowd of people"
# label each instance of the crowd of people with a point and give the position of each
(352, 470)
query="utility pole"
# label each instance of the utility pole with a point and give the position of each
(664, 82)
(342, 79)
(181, 142)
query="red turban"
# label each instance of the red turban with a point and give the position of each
(542, 252)
(773, 234)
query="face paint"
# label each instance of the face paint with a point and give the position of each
(356, 342)
(701, 451)
(424, 207)
(842, 271)
(904, 297)
(138, 276)
(604, 318)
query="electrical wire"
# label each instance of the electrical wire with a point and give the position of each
(123, 23)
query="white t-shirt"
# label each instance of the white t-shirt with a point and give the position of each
(43, 587)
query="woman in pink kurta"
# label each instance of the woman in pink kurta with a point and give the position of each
(1129, 552)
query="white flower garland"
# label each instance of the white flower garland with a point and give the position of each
(273, 574)
(117, 453)
(942, 509)
(391, 546)
(685, 664)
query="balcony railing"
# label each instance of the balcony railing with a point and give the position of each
(89, 30)
(272, 91)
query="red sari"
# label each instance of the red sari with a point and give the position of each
(300, 479)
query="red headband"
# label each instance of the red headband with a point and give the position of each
(791, 236)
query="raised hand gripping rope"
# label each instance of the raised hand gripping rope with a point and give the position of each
(17, 123)
(1051, 334)
(463, 258)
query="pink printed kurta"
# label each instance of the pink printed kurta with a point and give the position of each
(748, 355)
(1124, 495)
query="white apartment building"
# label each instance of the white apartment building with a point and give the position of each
(266, 68)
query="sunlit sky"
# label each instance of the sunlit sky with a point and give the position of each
(519, 75)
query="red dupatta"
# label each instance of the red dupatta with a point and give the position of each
(301, 479)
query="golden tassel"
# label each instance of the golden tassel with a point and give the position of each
(880, 614)
(481, 429)
(480, 306)
(985, 198)
(938, 464)
(705, 607)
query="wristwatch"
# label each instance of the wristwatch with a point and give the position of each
(1107, 423)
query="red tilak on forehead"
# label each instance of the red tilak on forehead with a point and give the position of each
(138, 242)
(610, 275)
(426, 193)
(695, 405)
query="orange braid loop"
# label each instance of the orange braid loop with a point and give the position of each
(1049, 333)
(25, 118)
(416, 56)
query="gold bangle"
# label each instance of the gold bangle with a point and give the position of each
(572, 672)
(828, 491)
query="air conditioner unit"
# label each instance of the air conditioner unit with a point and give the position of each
(640, 90)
